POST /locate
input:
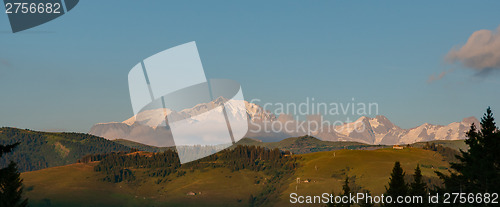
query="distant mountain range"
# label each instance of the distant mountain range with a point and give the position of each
(145, 128)
(380, 130)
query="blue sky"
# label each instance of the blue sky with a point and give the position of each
(72, 72)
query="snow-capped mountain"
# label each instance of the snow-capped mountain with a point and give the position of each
(371, 130)
(428, 132)
(156, 117)
(377, 130)
(380, 130)
(149, 126)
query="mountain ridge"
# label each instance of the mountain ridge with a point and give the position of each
(377, 130)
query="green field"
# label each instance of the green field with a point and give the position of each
(306, 144)
(326, 171)
(79, 185)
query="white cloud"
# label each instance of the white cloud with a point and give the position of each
(480, 53)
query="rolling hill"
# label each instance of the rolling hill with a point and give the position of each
(141, 147)
(453, 144)
(79, 184)
(370, 169)
(307, 144)
(38, 150)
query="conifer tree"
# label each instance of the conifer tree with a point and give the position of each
(418, 187)
(11, 188)
(347, 190)
(478, 169)
(7, 148)
(397, 186)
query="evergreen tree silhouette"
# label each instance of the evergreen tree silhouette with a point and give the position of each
(11, 187)
(347, 190)
(397, 186)
(418, 187)
(478, 169)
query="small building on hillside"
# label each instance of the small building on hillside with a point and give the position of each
(397, 147)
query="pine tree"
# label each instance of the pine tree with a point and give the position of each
(11, 189)
(7, 148)
(418, 187)
(478, 169)
(397, 185)
(346, 190)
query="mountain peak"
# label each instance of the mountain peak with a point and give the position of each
(362, 118)
(381, 117)
(470, 120)
(306, 139)
(220, 100)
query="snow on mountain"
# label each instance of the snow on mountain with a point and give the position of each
(377, 130)
(151, 123)
(429, 132)
(370, 130)
(152, 118)
(380, 130)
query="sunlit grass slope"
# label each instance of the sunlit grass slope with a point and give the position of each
(79, 185)
(326, 171)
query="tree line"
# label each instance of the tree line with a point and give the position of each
(39, 150)
(449, 153)
(121, 167)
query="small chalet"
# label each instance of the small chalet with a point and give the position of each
(397, 147)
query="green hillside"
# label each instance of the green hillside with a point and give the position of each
(306, 144)
(159, 178)
(454, 144)
(38, 150)
(141, 147)
(296, 145)
(370, 169)
(80, 184)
